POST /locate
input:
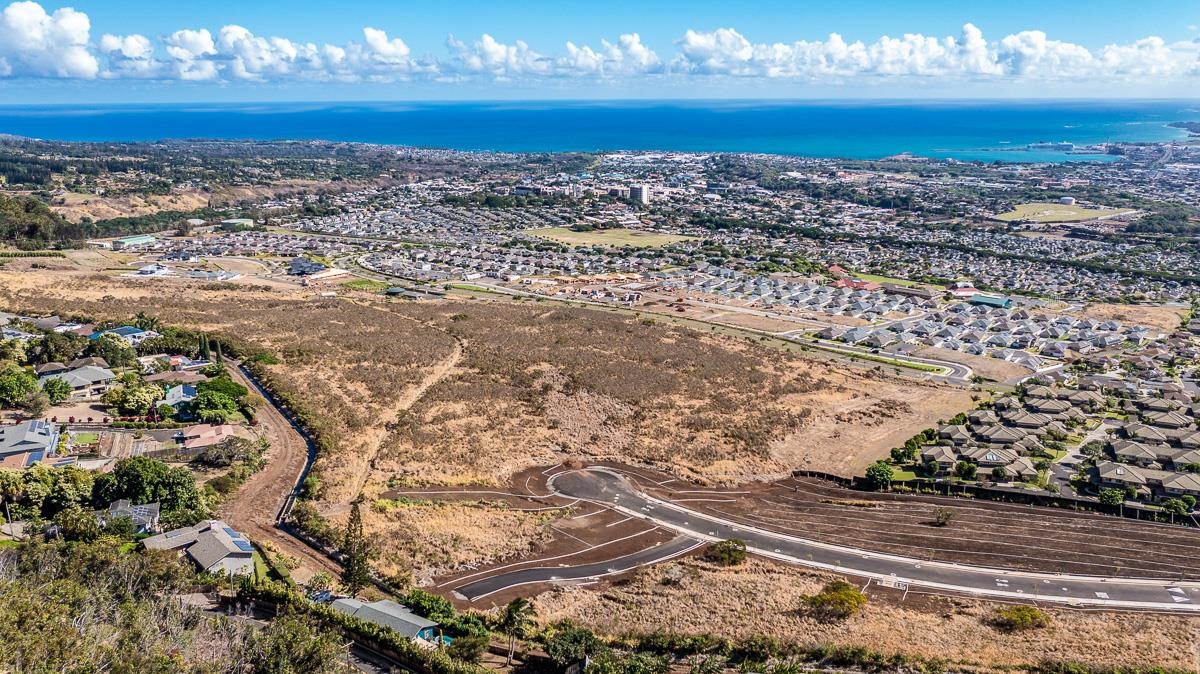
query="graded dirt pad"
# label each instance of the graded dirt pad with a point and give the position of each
(1161, 318)
(988, 368)
(692, 597)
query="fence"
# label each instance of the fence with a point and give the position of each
(1007, 495)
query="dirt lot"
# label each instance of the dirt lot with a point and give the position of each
(1162, 318)
(702, 599)
(988, 368)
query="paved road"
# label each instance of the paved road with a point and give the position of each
(479, 589)
(602, 485)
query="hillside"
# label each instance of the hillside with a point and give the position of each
(27, 222)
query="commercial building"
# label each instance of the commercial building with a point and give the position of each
(640, 194)
(133, 241)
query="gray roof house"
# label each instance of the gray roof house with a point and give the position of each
(389, 614)
(34, 436)
(144, 517)
(86, 382)
(212, 545)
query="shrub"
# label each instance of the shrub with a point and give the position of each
(726, 553)
(942, 517)
(836, 601)
(1019, 618)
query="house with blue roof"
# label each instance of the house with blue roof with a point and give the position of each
(132, 335)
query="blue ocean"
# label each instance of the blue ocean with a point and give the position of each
(974, 131)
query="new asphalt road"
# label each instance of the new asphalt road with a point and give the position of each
(479, 589)
(608, 487)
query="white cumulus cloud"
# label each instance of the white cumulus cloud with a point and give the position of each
(34, 43)
(129, 56)
(191, 52)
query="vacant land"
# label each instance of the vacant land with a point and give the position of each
(615, 238)
(875, 278)
(1160, 318)
(1053, 212)
(472, 391)
(693, 597)
(75, 206)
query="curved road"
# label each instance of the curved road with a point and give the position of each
(610, 488)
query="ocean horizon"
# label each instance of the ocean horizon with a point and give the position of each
(964, 130)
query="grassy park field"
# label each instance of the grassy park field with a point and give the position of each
(1055, 212)
(608, 237)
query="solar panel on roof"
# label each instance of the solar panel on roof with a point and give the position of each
(231, 532)
(243, 545)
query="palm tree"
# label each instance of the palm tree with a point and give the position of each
(515, 622)
(145, 322)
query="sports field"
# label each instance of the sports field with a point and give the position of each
(1054, 212)
(608, 237)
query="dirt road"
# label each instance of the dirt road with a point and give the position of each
(439, 372)
(253, 508)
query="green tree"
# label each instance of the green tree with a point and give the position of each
(35, 403)
(726, 553)
(468, 648)
(214, 407)
(168, 344)
(122, 527)
(1019, 618)
(293, 645)
(55, 347)
(114, 350)
(77, 524)
(57, 390)
(515, 622)
(965, 470)
(132, 399)
(999, 473)
(1112, 497)
(1175, 506)
(223, 385)
(942, 517)
(145, 480)
(356, 573)
(572, 644)
(836, 601)
(880, 474)
(16, 384)
(147, 322)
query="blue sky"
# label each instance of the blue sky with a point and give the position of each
(149, 50)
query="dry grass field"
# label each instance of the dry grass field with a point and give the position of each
(703, 599)
(75, 206)
(1161, 318)
(471, 391)
(616, 238)
(1054, 212)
